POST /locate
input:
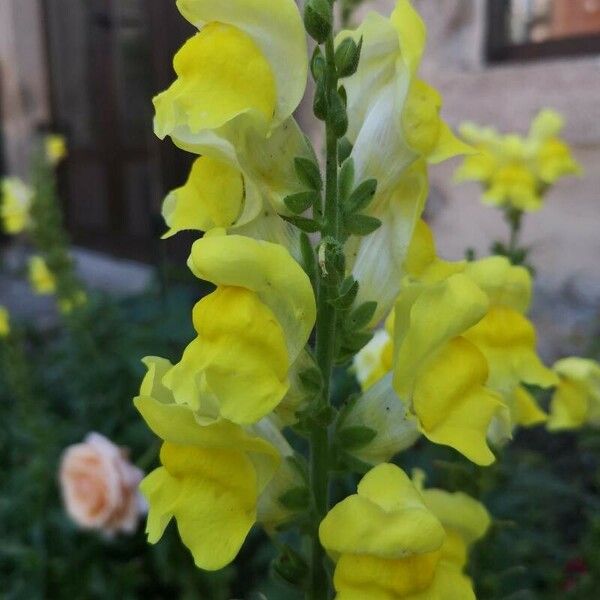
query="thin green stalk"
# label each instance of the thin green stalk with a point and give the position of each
(514, 218)
(325, 344)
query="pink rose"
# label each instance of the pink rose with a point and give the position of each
(100, 486)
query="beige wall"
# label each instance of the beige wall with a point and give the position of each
(565, 236)
(23, 83)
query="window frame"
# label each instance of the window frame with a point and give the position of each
(500, 50)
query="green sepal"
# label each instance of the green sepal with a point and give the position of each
(361, 316)
(347, 294)
(352, 343)
(346, 179)
(318, 19)
(308, 173)
(347, 57)
(361, 197)
(304, 224)
(344, 150)
(343, 95)
(353, 438)
(361, 224)
(295, 499)
(301, 201)
(291, 567)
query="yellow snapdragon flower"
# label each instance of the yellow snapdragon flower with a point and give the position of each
(576, 400)
(41, 278)
(55, 147)
(389, 545)
(4, 322)
(514, 170)
(250, 330)
(211, 476)
(396, 130)
(438, 371)
(15, 205)
(237, 70)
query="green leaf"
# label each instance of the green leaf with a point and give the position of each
(361, 316)
(296, 499)
(308, 173)
(346, 179)
(301, 201)
(361, 224)
(347, 294)
(354, 342)
(291, 567)
(304, 224)
(353, 438)
(361, 197)
(347, 57)
(344, 150)
(318, 19)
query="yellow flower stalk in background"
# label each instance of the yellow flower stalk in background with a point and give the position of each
(55, 147)
(576, 400)
(4, 322)
(41, 278)
(210, 479)
(516, 170)
(389, 545)
(15, 205)
(250, 330)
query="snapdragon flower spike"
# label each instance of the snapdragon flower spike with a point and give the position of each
(15, 205)
(440, 374)
(4, 322)
(388, 544)
(211, 477)
(576, 400)
(250, 330)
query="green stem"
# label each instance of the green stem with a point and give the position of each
(325, 344)
(515, 219)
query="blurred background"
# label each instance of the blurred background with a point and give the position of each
(88, 69)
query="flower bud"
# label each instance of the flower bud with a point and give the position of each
(380, 409)
(347, 57)
(318, 19)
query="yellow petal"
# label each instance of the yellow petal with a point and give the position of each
(41, 278)
(237, 367)
(525, 411)
(577, 397)
(505, 284)
(216, 504)
(221, 74)
(266, 269)
(386, 518)
(15, 205)
(362, 577)
(508, 341)
(276, 28)
(452, 404)
(374, 360)
(212, 197)
(448, 146)
(412, 33)
(427, 317)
